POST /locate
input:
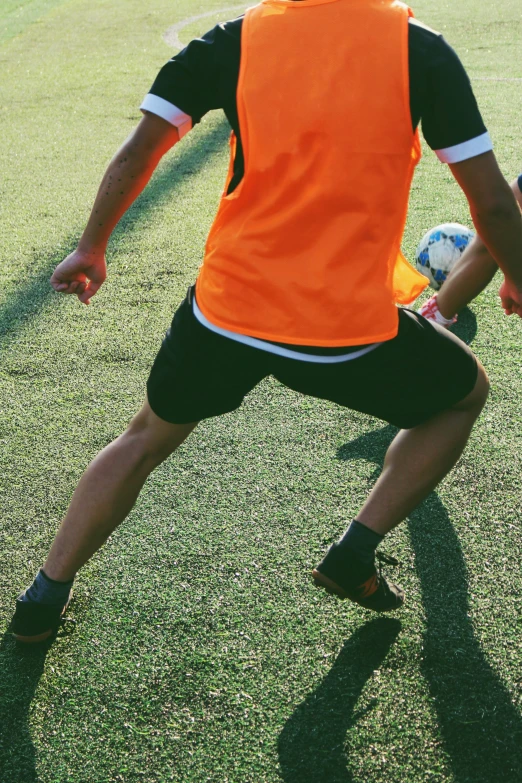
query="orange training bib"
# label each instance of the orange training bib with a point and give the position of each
(306, 250)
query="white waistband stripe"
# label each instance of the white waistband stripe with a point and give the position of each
(262, 345)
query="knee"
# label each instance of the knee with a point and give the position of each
(152, 439)
(476, 399)
(148, 450)
(482, 386)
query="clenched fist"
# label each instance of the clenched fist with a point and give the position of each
(511, 298)
(81, 273)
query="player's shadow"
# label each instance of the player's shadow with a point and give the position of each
(480, 727)
(466, 326)
(21, 667)
(27, 300)
(312, 741)
(20, 672)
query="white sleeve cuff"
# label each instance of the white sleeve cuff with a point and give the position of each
(167, 111)
(466, 150)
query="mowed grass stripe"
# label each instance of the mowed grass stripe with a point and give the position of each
(16, 16)
(201, 651)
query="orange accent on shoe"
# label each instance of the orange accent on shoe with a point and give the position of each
(369, 587)
(331, 587)
(365, 590)
(34, 639)
(45, 634)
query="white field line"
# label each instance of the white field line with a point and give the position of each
(171, 36)
(496, 79)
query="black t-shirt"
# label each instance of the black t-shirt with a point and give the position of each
(204, 76)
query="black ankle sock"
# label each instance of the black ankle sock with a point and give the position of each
(45, 590)
(362, 540)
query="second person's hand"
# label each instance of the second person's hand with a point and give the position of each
(511, 298)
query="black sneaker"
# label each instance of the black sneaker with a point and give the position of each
(343, 573)
(33, 622)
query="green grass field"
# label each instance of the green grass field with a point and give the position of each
(200, 650)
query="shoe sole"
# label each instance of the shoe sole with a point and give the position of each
(320, 580)
(41, 637)
(34, 639)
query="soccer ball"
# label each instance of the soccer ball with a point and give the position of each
(440, 249)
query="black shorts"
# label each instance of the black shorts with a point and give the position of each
(405, 381)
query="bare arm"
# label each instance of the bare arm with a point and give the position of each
(84, 270)
(471, 274)
(498, 221)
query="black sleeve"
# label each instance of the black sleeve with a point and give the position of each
(445, 101)
(194, 79)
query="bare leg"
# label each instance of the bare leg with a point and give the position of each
(109, 488)
(419, 458)
(468, 278)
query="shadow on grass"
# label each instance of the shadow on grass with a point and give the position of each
(21, 667)
(466, 326)
(25, 303)
(480, 727)
(20, 672)
(312, 741)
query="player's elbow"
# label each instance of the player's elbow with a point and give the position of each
(490, 198)
(153, 136)
(496, 208)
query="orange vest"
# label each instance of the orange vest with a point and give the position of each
(306, 250)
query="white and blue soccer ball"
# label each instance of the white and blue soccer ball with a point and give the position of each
(439, 250)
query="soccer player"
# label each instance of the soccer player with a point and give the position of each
(468, 278)
(302, 269)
